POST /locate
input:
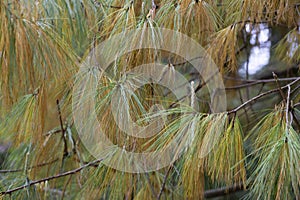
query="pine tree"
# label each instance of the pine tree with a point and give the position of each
(253, 146)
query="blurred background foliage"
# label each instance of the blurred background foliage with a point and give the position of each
(255, 44)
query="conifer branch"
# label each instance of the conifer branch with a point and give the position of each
(262, 95)
(51, 177)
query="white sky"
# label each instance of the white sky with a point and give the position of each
(260, 53)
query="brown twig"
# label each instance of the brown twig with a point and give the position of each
(50, 178)
(164, 182)
(277, 83)
(32, 167)
(250, 83)
(150, 185)
(258, 80)
(223, 191)
(287, 112)
(65, 187)
(62, 129)
(295, 119)
(107, 6)
(261, 95)
(245, 110)
(296, 104)
(196, 89)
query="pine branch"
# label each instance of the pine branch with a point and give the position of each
(261, 95)
(51, 177)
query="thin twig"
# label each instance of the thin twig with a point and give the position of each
(287, 100)
(51, 177)
(295, 89)
(259, 81)
(164, 183)
(115, 7)
(198, 57)
(107, 6)
(297, 104)
(261, 89)
(150, 185)
(29, 168)
(187, 61)
(295, 119)
(62, 129)
(196, 89)
(287, 109)
(223, 191)
(245, 110)
(261, 95)
(65, 187)
(281, 92)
